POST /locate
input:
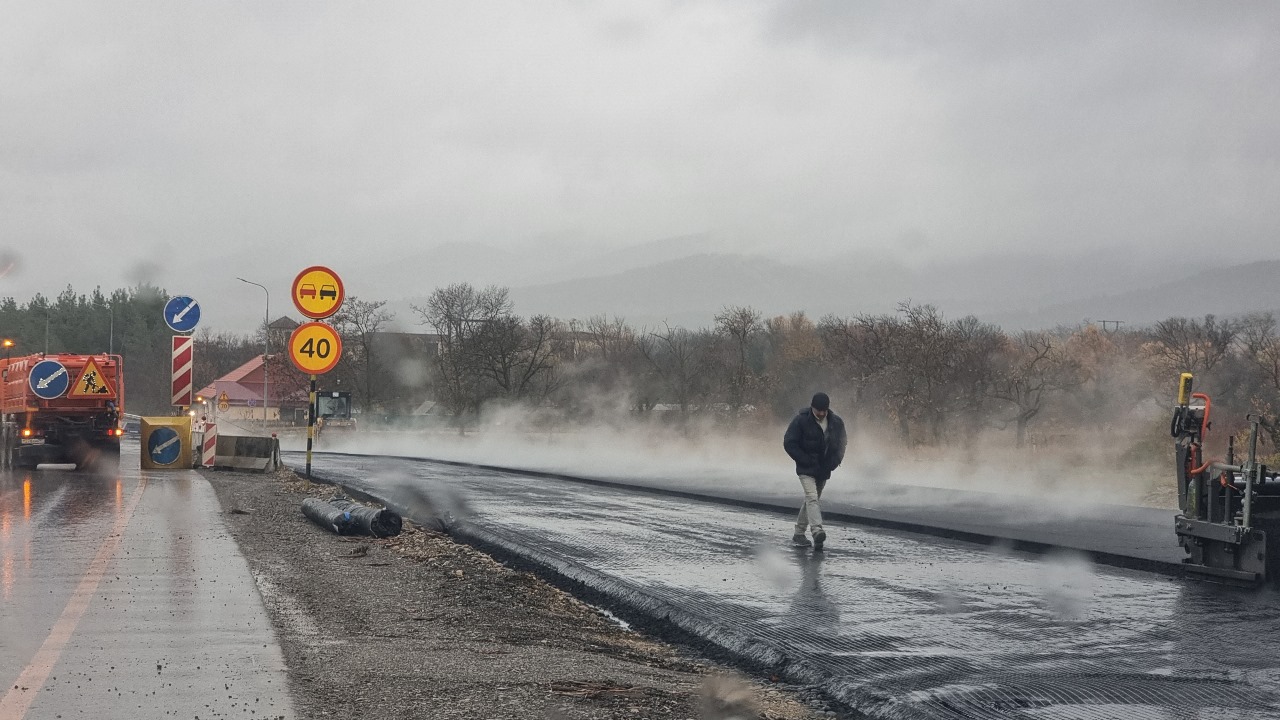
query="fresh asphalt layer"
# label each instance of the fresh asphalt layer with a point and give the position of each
(122, 595)
(892, 624)
(1140, 538)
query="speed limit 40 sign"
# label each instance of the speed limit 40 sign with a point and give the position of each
(315, 348)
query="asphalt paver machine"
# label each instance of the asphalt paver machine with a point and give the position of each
(1229, 523)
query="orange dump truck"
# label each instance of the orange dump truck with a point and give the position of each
(61, 408)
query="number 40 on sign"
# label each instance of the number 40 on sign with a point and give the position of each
(315, 348)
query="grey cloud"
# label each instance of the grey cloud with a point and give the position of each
(209, 140)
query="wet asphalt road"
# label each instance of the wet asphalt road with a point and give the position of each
(862, 491)
(893, 624)
(121, 595)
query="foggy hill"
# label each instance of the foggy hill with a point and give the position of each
(688, 291)
(1225, 292)
(1015, 291)
(586, 262)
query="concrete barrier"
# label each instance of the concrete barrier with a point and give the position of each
(247, 452)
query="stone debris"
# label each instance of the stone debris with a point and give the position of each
(452, 633)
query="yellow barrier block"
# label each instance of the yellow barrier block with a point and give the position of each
(166, 443)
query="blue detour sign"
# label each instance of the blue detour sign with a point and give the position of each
(49, 379)
(164, 446)
(166, 443)
(182, 314)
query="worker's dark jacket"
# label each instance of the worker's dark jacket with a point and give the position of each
(815, 455)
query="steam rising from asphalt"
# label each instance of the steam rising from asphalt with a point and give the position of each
(949, 602)
(778, 570)
(713, 455)
(1067, 581)
(434, 505)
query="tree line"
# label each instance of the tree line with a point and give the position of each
(129, 322)
(915, 374)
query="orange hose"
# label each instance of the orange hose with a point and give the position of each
(1204, 430)
(1202, 468)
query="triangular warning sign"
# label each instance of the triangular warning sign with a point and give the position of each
(92, 383)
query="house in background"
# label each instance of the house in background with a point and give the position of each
(238, 395)
(391, 381)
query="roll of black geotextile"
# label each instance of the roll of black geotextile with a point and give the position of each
(344, 517)
(327, 516)
(365, 520)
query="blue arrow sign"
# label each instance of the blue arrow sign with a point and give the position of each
(164, 445)
(182, 314)
(49, 379)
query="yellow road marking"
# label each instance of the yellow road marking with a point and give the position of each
(23, 691)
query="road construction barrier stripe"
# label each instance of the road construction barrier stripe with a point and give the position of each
(209, 446)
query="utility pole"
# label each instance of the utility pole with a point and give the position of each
(6, 431)
(266, 338)
(1115, 323)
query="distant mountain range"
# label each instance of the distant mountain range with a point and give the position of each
(686, 281)
(689, 292)
(1225, 292)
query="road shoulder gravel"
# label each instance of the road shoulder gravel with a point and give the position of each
(421, 626)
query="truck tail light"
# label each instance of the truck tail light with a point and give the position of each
(26, 432)
(117, 432)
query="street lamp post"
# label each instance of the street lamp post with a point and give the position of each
(266, 338)
(5, 430)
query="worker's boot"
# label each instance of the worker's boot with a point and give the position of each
(800, 540)
(819, 538)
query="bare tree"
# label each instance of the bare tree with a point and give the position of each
(858, 349)
(1181, 344)
(920, 348)
(359, 322)
(1261, 347)
(679, 357)
(458, 313)
(610, 340)
(794, 362)
(599, 365)
(519, 358)
(741, 325)
(1035, 367)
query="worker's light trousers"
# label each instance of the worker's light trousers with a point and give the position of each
(810, 512)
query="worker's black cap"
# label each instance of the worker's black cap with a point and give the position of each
(820, 401)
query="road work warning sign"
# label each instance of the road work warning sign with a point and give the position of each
(92, 383)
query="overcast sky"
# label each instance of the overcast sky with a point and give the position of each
(187, 143)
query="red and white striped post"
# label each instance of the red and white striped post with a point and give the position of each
(210, 445)
(182, 364)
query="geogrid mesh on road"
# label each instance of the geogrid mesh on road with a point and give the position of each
(892, 624)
